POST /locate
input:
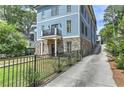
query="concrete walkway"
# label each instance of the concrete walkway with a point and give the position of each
(92, 71)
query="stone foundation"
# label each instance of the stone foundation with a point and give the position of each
(46, 48)
(38, 48)
(75, 43)
(61, 45)
(86, 44)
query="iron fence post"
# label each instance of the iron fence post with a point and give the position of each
(4, 74)
(59, 66)
(77, 56)
(69, 59)
(80, 54)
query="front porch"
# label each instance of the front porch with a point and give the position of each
(51, 46)
(51, 42)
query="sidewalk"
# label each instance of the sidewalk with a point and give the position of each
(92, 71)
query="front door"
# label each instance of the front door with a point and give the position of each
(52, 49)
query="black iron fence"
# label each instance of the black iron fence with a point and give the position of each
(34, 70)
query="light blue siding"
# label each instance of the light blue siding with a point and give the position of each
(47, 20)
(59, 19)
(47, 11)
(63, 27)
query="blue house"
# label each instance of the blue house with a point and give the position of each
(65, 28)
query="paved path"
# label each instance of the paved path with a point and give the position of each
(92, 71)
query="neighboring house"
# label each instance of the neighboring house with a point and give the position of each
(65, 28)
(99, 39)
(32, 37)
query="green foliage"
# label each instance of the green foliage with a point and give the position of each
(22, 16)
(11, 41)
(112, 48)
(113, 33)
(120, 61)
(31, 76)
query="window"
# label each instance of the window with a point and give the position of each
(82, 27)
(55, 11)
(82, 9)
(43, 47)
(68, 8)
(68, 25)
(85, 13)
(42, 29)
(43, 15)
(85, 30)
(68, 47)
(32, 37)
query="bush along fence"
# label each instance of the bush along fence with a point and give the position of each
(32, 70)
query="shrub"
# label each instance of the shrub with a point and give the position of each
(120, 62)
(31, 76)
(12, 42)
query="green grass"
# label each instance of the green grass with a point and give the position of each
(19, 74)
(44, 67)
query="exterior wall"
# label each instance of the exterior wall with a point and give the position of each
(76, 16)
(63, 27)
(88, 21)
(38, 47)
(61, 45)
(47, 11)
(86, 44)
(46, 48)
(60, 19)
(75, 43)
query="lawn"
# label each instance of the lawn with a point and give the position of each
(18, 74)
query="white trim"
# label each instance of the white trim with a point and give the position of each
(39, 39)
(51, 37)
(57, 17)
(41, 48)
(70, 36)
(79, 19)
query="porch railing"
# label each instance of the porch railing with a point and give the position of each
(52, 32)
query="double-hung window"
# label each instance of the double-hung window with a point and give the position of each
(68, 25)
(42, 15)
(68, 8)
(55, 11)
(69, 47)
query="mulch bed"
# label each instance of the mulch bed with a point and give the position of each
(118, 74)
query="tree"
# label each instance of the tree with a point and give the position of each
(113, 32)
(11, 41)
(107, 34)
(22, 16)
(113, 13)
(112, 17)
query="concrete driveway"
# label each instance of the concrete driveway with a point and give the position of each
(92, 71)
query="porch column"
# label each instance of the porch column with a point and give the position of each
(55, 31)
(41, 46)
(55, 47)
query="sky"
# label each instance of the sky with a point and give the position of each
(99, 12)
